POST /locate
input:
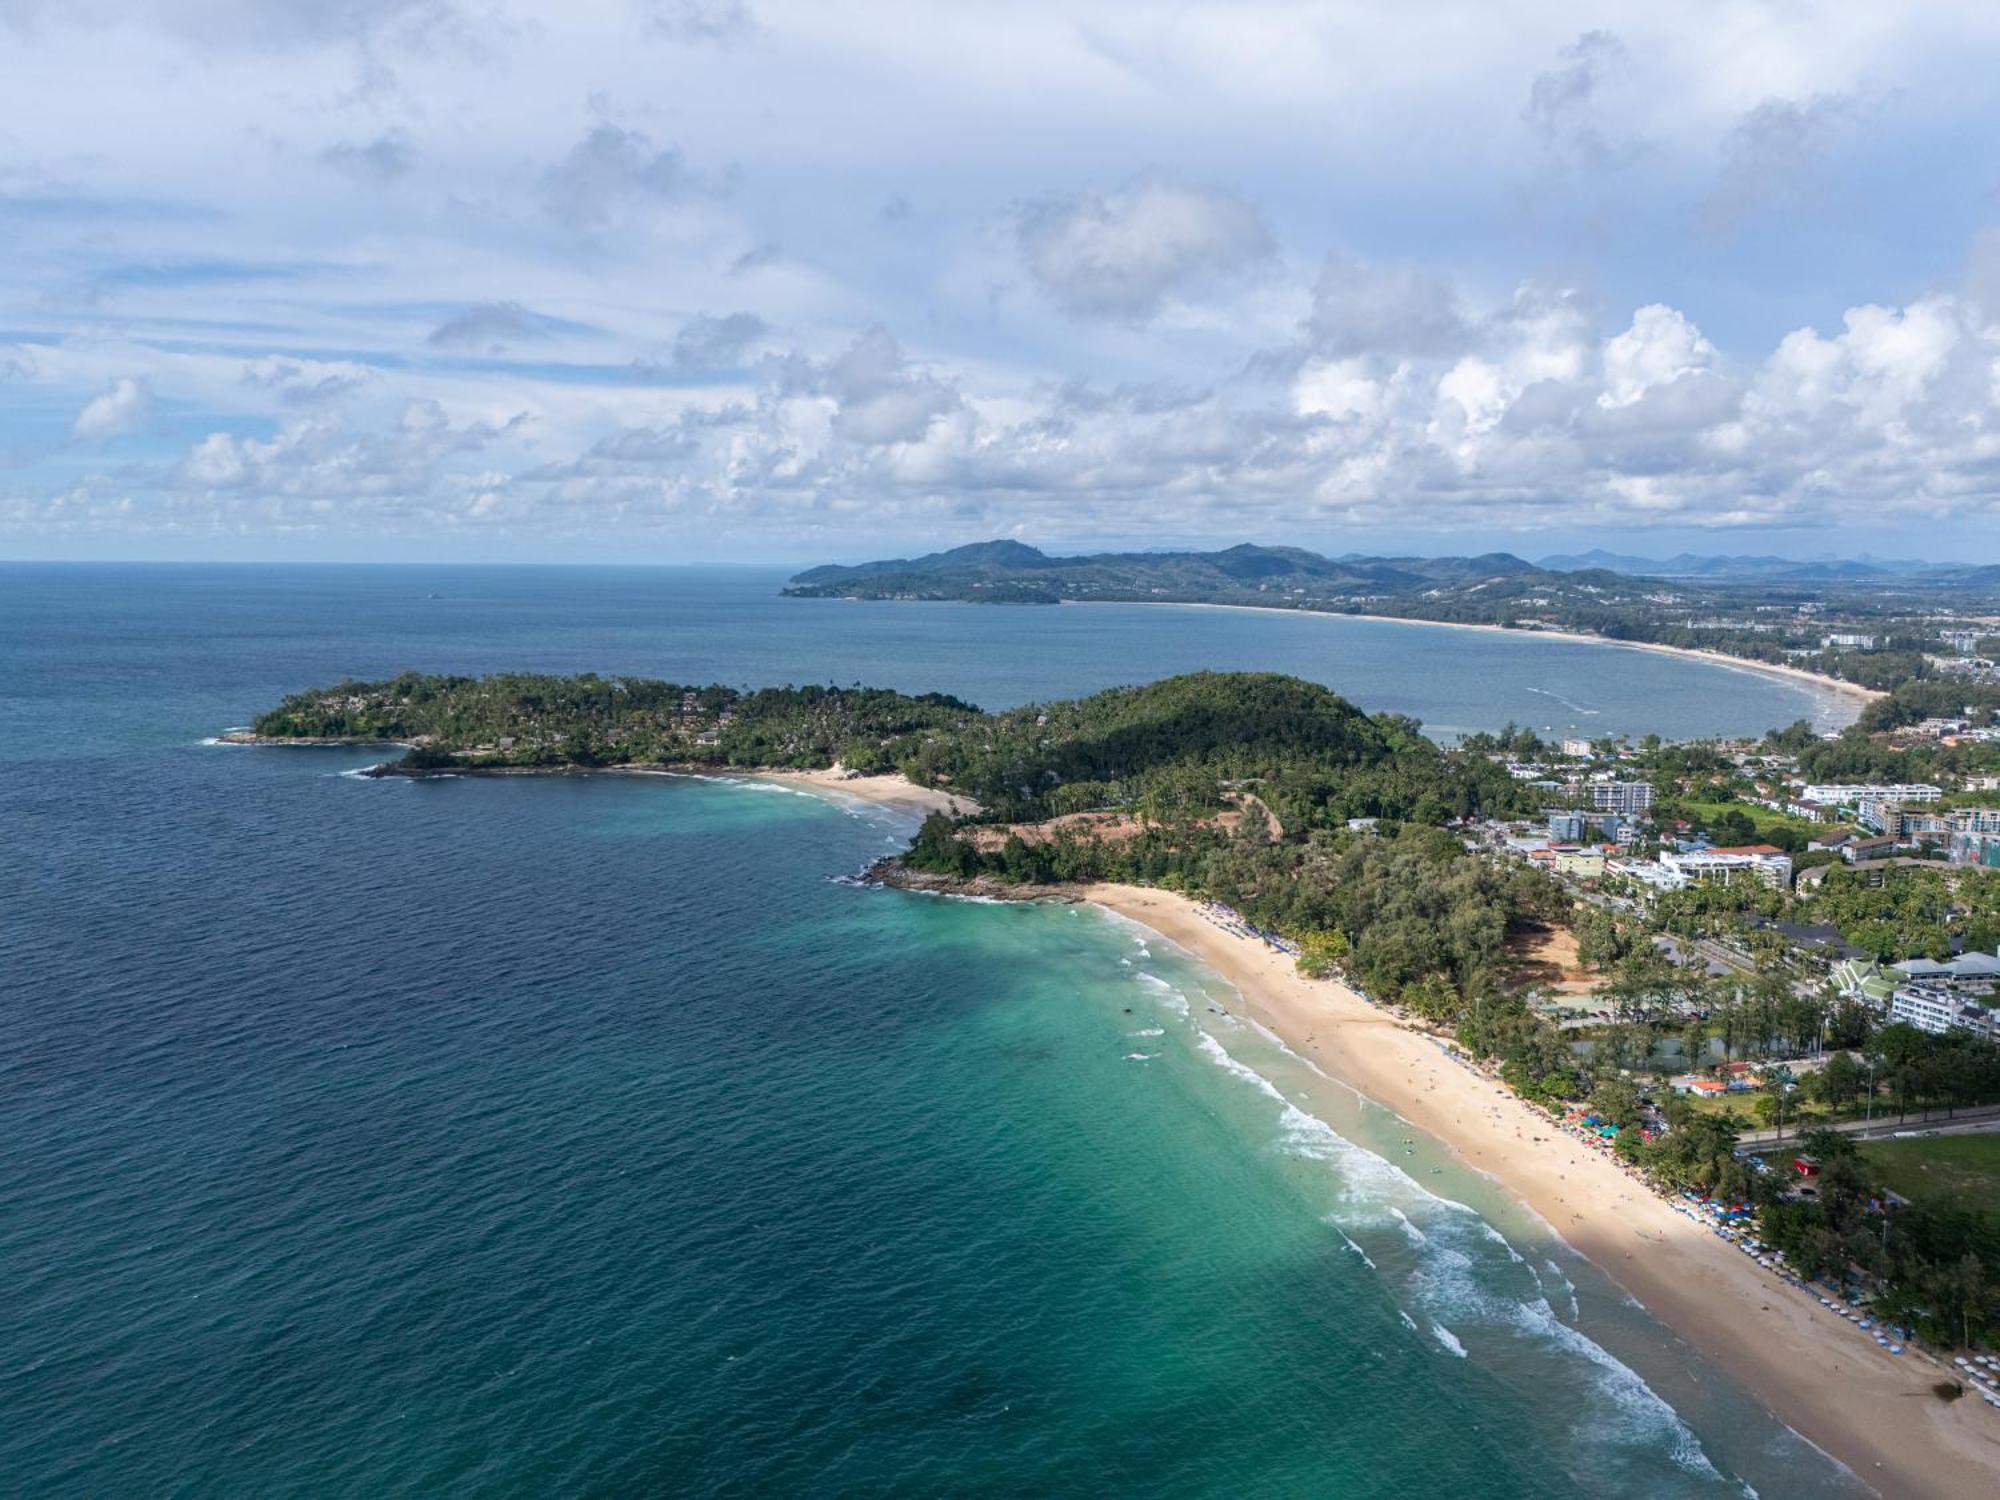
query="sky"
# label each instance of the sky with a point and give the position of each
(751, 280)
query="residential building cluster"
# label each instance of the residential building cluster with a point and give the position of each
(1939, 996)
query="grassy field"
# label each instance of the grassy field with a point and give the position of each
(1765, 819)
(1962, 1171)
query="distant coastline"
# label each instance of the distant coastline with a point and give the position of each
(1839, 685)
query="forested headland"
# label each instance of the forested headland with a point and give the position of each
(1343, 835)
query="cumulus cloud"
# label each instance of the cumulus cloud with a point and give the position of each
(307, 382)
(321, 459)
(114, 413)
(1660, 347)
(1122, 254)
(1396, 310)
(1530, 413)
(609, 170)
(709, 343)
(644, 445)
(878, 396)
(1884, 365)
(1206, 379)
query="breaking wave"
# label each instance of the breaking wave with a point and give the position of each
(1461, 1273)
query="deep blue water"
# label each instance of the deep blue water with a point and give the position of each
(590, 1136)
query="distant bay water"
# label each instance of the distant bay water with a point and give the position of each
(309, 625)
(594, 1136)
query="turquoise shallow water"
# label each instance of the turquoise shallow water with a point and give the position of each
(593, 1136)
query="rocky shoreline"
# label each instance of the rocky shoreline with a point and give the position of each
(885, 788)
(892, 872)
(251, 737)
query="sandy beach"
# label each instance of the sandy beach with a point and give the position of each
(1851, 690)
(888, 791)
(1873, 1411)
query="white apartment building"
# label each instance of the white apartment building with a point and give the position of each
(1648, 873)
(1627, 797)
(1940, 1011)
(1845, 793)
(1755, 862)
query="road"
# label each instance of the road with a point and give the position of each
(1984, 1120)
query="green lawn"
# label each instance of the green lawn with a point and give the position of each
(1962, 1171)
(1765, 819)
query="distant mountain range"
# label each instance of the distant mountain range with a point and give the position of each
(1013, 572)
(1749, 569)
(1603, 591)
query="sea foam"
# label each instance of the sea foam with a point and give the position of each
(1452, 1268)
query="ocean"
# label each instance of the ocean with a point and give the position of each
(598, 1136)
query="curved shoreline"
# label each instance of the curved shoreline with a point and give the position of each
(1873, 1412)
(886, 789)
(1837, 685)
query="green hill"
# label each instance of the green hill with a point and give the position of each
(1185, 742)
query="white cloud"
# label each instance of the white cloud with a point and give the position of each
(489, 328)
(671, 213)
(1337, 388)
(1565, 102)
(114, 413)
(707, 342)
(1885, 362)
(1121, 254)
(609, 170)
(303, 382)
(1369, 309)
(879, 397)
(1660, 346)
(1770, 153)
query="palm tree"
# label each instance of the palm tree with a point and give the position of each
(1778, 1082)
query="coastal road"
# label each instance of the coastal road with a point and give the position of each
(1981, 1121)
